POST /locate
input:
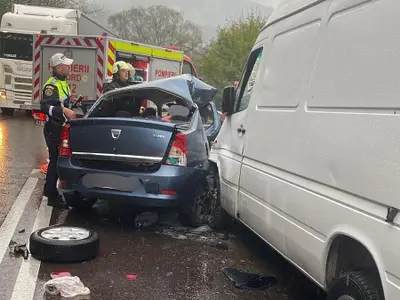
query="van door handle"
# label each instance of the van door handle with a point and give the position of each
(241, 130)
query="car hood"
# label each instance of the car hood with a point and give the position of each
(187, 87)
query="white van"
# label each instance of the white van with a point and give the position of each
(309, 154)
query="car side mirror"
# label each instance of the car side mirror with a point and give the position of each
(228, 99)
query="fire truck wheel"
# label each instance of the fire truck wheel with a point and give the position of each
(7, 111)
(64, 244)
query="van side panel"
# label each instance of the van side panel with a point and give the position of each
(284, 86)
(326, 130)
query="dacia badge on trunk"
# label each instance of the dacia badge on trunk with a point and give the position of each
(115, 133)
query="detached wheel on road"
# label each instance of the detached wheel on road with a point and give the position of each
(64, 244)
(355, 286)
(79, 202)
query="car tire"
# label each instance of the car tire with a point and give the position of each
(206, 208)
(64, 244)
(188, 215)
(355, 286)
(7, 111)
(79, 202)
(219, 218)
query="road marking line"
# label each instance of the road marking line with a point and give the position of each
(11, 221)
(34, 171)
(25, 284)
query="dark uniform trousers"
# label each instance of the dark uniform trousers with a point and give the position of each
(56, 94)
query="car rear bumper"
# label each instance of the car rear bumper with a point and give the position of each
(169, 186)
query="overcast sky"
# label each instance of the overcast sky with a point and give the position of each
(272, 3)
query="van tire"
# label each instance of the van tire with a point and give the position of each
(79, 202)
(358, 285)
(56, 250)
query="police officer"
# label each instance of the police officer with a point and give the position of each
(120, 77)
(55, 102)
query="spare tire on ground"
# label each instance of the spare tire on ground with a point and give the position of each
(64, 244)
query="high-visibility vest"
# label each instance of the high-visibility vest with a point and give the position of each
(64, 92)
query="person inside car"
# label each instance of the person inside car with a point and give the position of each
(120, 77)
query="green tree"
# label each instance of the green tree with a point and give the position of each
(228, 52)
(87, 6)
(157, 25)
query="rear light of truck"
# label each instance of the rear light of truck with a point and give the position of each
(178, 154)
(65, 146)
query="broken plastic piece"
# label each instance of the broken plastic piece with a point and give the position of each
(67, 286)
(59, 274)
(146, 219)
(131, 276)
(22, 230)
(248, 281)
(21, 249)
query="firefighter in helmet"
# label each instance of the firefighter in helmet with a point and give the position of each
(133, 77)
(120, 77)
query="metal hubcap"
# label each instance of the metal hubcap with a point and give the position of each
(65, 233)
(345, 297)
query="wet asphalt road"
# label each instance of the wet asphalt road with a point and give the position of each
(169, 260)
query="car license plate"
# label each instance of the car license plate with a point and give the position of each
(110, 182)
(39, 122)
(23, 106)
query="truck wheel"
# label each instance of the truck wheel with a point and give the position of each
(79, 202)
(7, 111)
(355, 286)
(64, 244)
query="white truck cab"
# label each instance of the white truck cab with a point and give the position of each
(16, 36)
(308, 156)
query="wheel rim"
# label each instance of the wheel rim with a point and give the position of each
(345, 297)
(65, 233)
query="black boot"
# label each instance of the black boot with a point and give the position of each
(57, 202)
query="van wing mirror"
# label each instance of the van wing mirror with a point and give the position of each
(228, 100)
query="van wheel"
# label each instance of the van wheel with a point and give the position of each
(355, 286)
(79, 202)
(219, 218)
(7, 111)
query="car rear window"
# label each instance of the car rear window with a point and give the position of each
(160, 107)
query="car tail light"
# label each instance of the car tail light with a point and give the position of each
(178, 154)
(39, 116)
(65, 147)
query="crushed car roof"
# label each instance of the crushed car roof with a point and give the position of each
(183, 86)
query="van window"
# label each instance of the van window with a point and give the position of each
(248, 80)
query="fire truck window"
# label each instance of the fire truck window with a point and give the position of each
(187, 68)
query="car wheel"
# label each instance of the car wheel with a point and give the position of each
(7, 111)
(218, 218)
(64, 244)
(194, 213)
(79, 202)
(355, 286)
(206, 207)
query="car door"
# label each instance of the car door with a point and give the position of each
(230, 140)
